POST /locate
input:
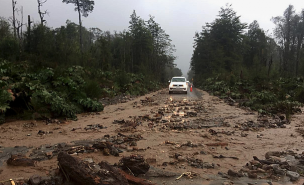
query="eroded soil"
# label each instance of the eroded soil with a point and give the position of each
(196, 134)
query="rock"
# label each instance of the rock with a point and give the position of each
(49, 154)
(256, 163)
(20, 160)
(234, 173)
(133, 143)
(181, 159)
(252, 175)
(294, 176)
(273, 153)
(278, 170)
(275, 159)
(114, 151)
(35, 180)
(135, 163)
(106, 152)
(267, 167)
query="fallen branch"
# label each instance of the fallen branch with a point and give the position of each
(134, 180)
(81, 172)
(221, 157)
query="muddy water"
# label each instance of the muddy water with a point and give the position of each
(156, 138)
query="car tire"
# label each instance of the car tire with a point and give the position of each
(170, 92)
(186, 92)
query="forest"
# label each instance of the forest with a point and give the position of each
(49, 72)
(241, 62)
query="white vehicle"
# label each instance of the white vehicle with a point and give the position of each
(178, 84)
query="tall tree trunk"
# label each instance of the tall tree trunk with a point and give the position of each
(21, 23)
(80, 26)
(29, 32)
(14, 18)
(39, 12)
(300, 39)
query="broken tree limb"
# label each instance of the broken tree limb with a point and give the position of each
(268, 162)
(85, 173)
(135, 180)
(20, 160)
(222, 156)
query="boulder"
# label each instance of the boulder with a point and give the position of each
(294, 176)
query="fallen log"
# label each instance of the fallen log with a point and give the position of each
(135, 180)
(269, 162)
(20, 160)
(82, 172)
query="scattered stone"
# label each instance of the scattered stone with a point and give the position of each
(294, 176)
(272, 153)
(94, 127)
(35, 180)
(135, 164)
(106, 152)
(252, 175)
(49, 155)
(234, 173)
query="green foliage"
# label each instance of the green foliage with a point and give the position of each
(284, 95)
(49, 92)
(65, 92)
(9, 48)
(5, 98)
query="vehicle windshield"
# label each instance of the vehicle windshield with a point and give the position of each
(178, 80)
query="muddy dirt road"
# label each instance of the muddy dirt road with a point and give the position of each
(195, 134)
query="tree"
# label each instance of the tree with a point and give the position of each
(41, 14)
(218, 47)
(256, 43)
(285, 37)
(162, 49)
(83, 7)
(141, 44)
(4, 28)
(14, 18)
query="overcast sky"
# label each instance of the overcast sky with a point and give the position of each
(179, 18)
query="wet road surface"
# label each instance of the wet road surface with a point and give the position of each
(171, 140)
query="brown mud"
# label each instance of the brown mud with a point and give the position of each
(194, 134)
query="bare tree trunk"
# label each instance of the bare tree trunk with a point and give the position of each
(41, 14)
(14, 18)
(269, 66)
(80, 26)
(300, 39)
(21, 22)
(29, 31)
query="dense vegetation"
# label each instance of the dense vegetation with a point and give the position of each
(49, 72)
(232, 59)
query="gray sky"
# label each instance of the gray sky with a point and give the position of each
(179, 18)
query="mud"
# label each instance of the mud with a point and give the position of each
(197, 135)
